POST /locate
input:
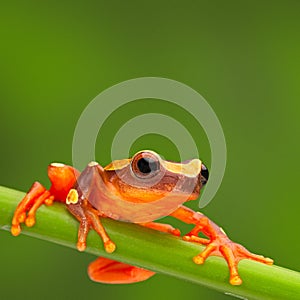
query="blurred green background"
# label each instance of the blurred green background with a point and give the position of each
(242, 56)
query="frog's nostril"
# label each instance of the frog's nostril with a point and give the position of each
(204, 174)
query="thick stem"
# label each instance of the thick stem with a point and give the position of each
(156, 251)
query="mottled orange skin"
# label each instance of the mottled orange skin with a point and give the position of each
(120, 194)
(126, 190)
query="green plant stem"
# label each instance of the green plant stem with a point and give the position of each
(156, 251)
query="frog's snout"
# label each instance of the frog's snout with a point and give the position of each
(204, 174)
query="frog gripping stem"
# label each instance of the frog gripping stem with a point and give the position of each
(218, 244)
(118, 191)
(88, 218)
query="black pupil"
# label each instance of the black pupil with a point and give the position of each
(147, 165)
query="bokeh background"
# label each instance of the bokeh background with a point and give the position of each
(242, 56)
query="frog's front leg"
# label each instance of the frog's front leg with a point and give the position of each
(88, 217)
(102, 270)
(218, 244)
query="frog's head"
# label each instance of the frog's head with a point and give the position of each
(146, 177)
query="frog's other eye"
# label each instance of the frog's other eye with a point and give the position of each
(145, 164)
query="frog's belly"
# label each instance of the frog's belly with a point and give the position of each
(122, 210)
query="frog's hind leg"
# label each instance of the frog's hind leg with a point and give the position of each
(25, 211)
(218, 243)
(109, 271)
(62, 178)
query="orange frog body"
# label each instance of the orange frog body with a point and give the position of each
(137, 190)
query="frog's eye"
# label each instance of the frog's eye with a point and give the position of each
(145, 164)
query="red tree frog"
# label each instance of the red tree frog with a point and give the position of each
(137, 190)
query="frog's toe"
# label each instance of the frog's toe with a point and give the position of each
(235, 280)
(15, 230)
(200, 258)
(228, 252)
(196, 239)
(109, 246)
(242, 253)
(162, 227)
(81, 246)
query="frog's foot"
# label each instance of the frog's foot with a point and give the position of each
(162, 227)
(109, 271)
(221, 245)
(217, 243)
(26, 210)
(89, 218)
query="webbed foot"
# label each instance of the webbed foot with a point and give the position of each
(221, 245)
